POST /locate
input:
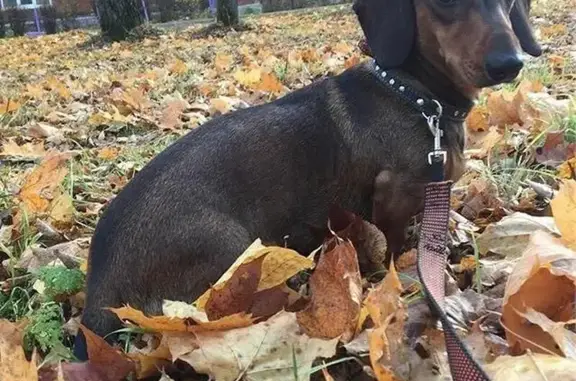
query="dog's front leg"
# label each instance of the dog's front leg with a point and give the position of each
(396, 200)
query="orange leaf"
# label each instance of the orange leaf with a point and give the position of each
(173, 324)
(270, 83)
(477, 120)
(40, 186)
(108, 153)
(8, 106)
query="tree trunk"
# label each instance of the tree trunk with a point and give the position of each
(227, 12)
(119, 17)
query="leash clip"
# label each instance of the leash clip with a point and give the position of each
(434, 126)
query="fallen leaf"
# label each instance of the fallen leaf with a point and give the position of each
(564, 211)
(336, 294)
(13, 363)
(270, 83)
(387, 352)
(170, 119)
(544, 280)
(181, 324)
(8, 106)
(565, 338)
(531, 367)
(567, 170)
(265, 351)
(61, 211)
(511, 235)
(275, 266)
(110, 362)
(27, 150)
(41, 185)
(179, 67)
(477, 120)
(222, 62)
(108, 153)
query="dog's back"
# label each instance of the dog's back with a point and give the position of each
(266, 172)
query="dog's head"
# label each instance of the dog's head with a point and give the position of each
(476, 43)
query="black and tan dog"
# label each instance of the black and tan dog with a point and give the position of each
(358, 140)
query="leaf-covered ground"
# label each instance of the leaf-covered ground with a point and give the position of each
(79, 117)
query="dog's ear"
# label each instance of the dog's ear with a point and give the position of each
(389, 27)
(520, 18)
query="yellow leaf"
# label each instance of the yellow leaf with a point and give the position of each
(170, 119)
(35, 91)
(342, 48)
(179, 67)
(222, 62)
(13, 363)
(248, 78)
(62, 211)
(8, 106)
(27, 150)
(553, 30)
(38, 189)
(531, 367)
(352, 61)
(108, 153)
(564, 212)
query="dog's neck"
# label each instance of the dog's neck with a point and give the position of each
(437, 82)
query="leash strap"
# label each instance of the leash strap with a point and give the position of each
(431, 266)
(432, 254)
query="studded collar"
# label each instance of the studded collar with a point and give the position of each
(423, 103)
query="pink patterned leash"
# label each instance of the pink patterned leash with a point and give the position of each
(432, 256)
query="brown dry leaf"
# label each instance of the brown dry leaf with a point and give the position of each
(179, 67)
(544, 280)
(351, 61)
(108, 153)
(8, 106)
(336, 290)
(564, 211)
(110, 363)
(567, 170)
(13, 363)
(27, 150)
(181, 324)
(271, 266)
(387, 352)
(477, 120)
(260, 352)
(170, 119)
(41, 185)
(565, 338)
(531, 367)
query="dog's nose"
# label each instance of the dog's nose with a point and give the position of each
(503, 67)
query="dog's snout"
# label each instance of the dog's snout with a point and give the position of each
(503, 67)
